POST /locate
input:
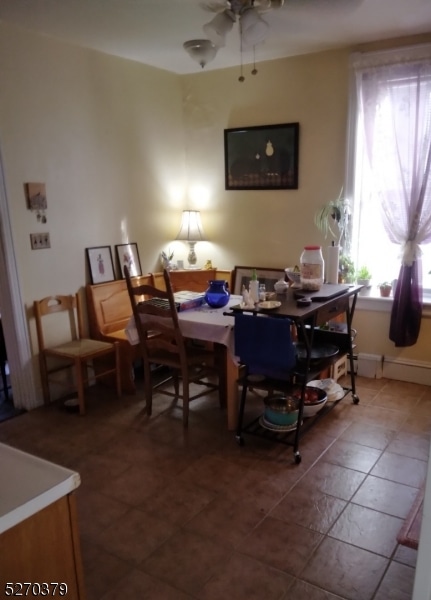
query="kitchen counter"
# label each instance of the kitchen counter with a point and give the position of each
(39, 539)
(28, 484)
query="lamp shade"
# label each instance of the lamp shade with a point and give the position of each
(191, 228)
(218, 27)
(202, 51)
(253, 28)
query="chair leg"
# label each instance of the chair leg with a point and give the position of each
(186, 402)
(117, 368)
(4, 379)
(80, 385)
(148, 388)
(44, 378)
(241, 409)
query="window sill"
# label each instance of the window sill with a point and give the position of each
(376, 303)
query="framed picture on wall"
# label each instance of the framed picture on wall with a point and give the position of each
(242, 276)
(100, 264)
(262, 158)
(128, 255)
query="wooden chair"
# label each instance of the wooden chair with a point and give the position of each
(77, 352)
(162, 343)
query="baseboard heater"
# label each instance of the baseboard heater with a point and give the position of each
(377, 366)
(414, 371)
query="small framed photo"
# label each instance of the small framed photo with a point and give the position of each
(100, 264)
(128, 255)
(268, 276)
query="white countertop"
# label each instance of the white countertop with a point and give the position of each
(28, 484)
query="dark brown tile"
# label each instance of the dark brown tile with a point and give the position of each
(334, 480)
(345, 570)
(97, 511)
(102, 570)
(386, 496)
(309, 507)
(397, 583)
(365, 434)
(284, 546)
(242, 578)
(353, 456)
(134, 536)
(367, 529)
(406, 556)
(410, 444)
(143, 586)
(228, 520)
(186, 561)
(178, 502)
(301, 590)
(401, 469)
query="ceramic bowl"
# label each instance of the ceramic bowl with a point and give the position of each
(315, 400)
(293, 276)
(281, 410)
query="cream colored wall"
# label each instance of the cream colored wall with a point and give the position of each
(270, 228)
(106, 137)
(111, 138)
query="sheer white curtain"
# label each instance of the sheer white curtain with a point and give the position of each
(394, 108)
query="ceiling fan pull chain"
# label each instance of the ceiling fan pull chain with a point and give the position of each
(254, 71)
(241, 78)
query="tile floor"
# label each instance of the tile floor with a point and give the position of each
(172, 515)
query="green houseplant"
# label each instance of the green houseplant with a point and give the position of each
(333, 220)
(346, 269)
(363, 277)
(385, 289)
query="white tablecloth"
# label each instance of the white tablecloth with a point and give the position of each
(203, 323)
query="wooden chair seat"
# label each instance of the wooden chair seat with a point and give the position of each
(78, 352)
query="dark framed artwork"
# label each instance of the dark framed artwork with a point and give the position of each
(100, 264)
(127, 254)
(262, 158)
(268, 276)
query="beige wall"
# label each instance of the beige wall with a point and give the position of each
(106, 137)
(123, 148)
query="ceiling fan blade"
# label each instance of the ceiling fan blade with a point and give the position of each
(322, 5)
(214, 6)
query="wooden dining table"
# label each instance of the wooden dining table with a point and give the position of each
(215, 325)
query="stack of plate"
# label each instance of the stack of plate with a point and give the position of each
(333, 390)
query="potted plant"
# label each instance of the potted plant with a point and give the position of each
(167, 258)
(363, 277)
(385, 289)
(333, 219)
(346, 269)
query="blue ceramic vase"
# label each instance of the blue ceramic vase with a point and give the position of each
(217, 295)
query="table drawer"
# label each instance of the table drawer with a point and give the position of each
(338, 306)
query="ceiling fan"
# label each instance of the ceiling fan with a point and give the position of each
(253, 28)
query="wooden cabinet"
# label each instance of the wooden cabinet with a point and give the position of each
(39, 539)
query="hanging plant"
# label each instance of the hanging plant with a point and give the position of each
(333, 219)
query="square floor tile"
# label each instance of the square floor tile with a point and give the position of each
(342, 569)
(368, 529)
(307, 506)
(386, 496)
(285, 546)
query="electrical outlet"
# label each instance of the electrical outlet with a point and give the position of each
(39, 240)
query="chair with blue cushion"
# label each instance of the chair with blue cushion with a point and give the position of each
(267, 356)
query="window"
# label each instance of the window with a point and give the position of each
(389, 158)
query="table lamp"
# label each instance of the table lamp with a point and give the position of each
(191, 231)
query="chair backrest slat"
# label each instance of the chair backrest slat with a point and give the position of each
(158, 327)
